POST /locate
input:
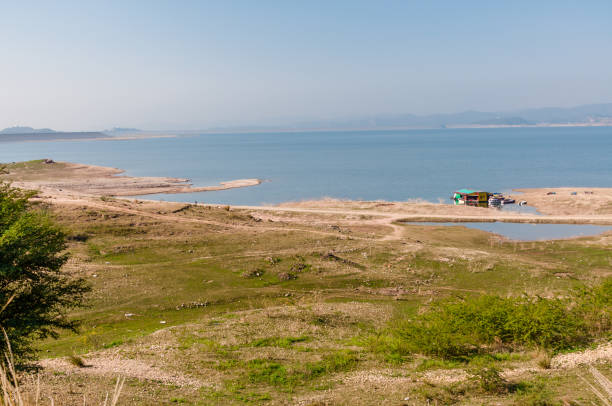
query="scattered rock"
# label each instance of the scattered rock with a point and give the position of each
(273, 260)
(300, 267)
(192, 305)
(253, 273)
(590, 356)
(286, 276)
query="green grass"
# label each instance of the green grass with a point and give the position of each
(288, 377)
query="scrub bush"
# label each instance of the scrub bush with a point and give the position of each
(452, 329)
(488, 324)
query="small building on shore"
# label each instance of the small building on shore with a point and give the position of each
(471, 197)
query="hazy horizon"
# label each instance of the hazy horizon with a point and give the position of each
(194, 65)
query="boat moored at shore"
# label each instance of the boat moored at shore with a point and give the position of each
(471, 197)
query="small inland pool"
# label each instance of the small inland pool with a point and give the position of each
(528, 231)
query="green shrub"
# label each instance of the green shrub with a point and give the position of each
(534, 394)
(394, 349)
(283, 342)
(336, 362)
(272, 373)
(595, 304)
(459, 329)
(112, 344)
(490, 380)
(276, 374)
(76, 361)
(485, 324)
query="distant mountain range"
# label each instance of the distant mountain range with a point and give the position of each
(585, 115)
(122, 131)
(26, 130)
(594, 114)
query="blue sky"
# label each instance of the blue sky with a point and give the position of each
(90, 65)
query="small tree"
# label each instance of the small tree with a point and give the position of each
(34, 291)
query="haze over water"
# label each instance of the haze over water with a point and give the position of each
(371, 165)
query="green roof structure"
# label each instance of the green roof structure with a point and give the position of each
(466, 191)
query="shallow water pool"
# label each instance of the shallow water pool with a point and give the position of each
(528, 231)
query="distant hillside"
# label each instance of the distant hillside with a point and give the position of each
(26, 130)
(579, 114)
(504, 121)
(592, 113)
(122, 131)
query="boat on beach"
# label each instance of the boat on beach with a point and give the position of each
(471, 197)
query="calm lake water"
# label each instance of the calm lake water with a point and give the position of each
(527, 231)
(388, 165)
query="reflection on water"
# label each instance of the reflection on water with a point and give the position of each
(529, 231)
(520, 209)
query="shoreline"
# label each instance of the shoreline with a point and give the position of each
(423, 212)
(91, 180)
(65, 181)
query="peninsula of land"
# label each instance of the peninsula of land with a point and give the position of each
(56, 178)
(66, 180)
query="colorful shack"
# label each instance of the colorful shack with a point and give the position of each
(471, 197)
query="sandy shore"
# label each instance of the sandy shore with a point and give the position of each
(568, 200)
(65, 181)
(60, 177)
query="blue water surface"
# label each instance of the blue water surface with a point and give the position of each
(388, 165)
(528, 231)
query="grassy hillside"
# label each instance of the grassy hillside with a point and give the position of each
(206, 305)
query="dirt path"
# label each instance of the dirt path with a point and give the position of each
(378, 218)
(175, 218)
(509, 217)
(111, 364)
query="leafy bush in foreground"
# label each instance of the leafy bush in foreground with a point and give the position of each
(34, 294)
(459, 329)
(596, 306)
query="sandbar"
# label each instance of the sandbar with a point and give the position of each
(53, 177)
